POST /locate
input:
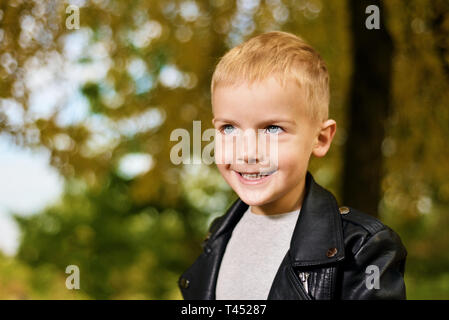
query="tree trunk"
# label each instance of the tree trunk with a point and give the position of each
(368, 110)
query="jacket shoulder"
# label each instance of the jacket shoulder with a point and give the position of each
(360, 228)
(370, 243)
(356, 219)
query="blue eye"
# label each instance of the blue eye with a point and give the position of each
(225, 128)
(274, 129)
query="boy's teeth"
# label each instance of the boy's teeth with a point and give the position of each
(254, 176)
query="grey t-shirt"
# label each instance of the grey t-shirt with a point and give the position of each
(253, 255)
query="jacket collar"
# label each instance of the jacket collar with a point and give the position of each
(318, 234)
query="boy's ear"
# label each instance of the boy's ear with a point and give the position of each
(324, 138)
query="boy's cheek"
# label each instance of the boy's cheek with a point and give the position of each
(225, 172)
(224, 149)
(224, 154)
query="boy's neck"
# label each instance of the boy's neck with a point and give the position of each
(290, 202)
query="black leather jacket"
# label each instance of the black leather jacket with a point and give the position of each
(329, 257)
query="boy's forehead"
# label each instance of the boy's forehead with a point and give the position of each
(269, 85)
(260, 98)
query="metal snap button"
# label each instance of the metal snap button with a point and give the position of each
(331, 252)
(343, 210)
(184, 283)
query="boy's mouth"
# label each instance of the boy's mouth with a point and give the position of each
(251, 177)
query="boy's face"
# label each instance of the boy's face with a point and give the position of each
(275, 112)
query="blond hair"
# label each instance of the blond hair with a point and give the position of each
(284, 56)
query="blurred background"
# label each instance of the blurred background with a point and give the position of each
(86, 114)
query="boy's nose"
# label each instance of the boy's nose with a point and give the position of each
(249, 151)
(251, 159)
(252, 148)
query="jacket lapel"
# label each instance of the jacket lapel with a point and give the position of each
(317, 242)
(318, 235)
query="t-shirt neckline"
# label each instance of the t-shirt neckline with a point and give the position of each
(283, 214)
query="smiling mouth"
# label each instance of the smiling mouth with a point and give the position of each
(255, 175)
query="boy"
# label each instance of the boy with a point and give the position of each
(285, 237)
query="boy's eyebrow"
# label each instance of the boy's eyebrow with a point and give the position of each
(265, 122)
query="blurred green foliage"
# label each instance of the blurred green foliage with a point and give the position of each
(123, 250)
(132, 237)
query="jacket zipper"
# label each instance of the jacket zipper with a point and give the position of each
(298, 284)
(303, 276)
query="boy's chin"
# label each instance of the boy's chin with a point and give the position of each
(253, 201)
